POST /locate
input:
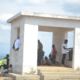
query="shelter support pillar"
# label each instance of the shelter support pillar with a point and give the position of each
(76, 49)
(13, 53)
(30, 49)
(26, 62)
(58, 39)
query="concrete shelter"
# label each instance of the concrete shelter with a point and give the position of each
(27, 24)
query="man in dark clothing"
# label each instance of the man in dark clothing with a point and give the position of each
(64, 51)
(7, 65)
(40, 52)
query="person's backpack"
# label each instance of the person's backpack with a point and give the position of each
(14, 45)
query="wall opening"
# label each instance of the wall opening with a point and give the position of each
(46, 40)
(69, 56)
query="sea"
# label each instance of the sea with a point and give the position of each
(2, 56)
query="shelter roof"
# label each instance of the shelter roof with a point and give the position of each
(43, 15)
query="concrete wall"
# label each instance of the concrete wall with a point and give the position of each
(16, 58)
(30, 49)
(52, 22)
(13, 53)
(22, 60)
(76, 56)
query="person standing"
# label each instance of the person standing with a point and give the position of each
(40, 51)
(64, 51)
(17, 44)
(54, 52)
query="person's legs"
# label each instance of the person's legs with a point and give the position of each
(0, 67)
(48, 64)
(69, 56)
(5, 66)
(53, 59)
(39, 58)
(63, 59)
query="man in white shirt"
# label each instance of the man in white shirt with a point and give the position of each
(17, 44)
(64, 51)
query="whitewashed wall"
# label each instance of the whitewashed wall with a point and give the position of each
(76, 56)
(30, 49)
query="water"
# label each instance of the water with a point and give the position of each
(1, 57)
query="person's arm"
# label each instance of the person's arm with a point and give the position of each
(66, 48)
(56, 52)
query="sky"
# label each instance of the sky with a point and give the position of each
(8, 8)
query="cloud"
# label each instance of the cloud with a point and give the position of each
(72, 8)
(8, 7)
(3, 27)
(73, 1)
(5, 17)
(31, 1)
(41, 6)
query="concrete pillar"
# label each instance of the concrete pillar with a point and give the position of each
(13, 53)
(76, 49)
(58, 39)
(27, 57)
(66, 35)
(30, 49)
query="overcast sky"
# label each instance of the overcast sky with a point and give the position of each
(8, 8)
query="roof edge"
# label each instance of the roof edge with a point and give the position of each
(14, 17)
(57, 16)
